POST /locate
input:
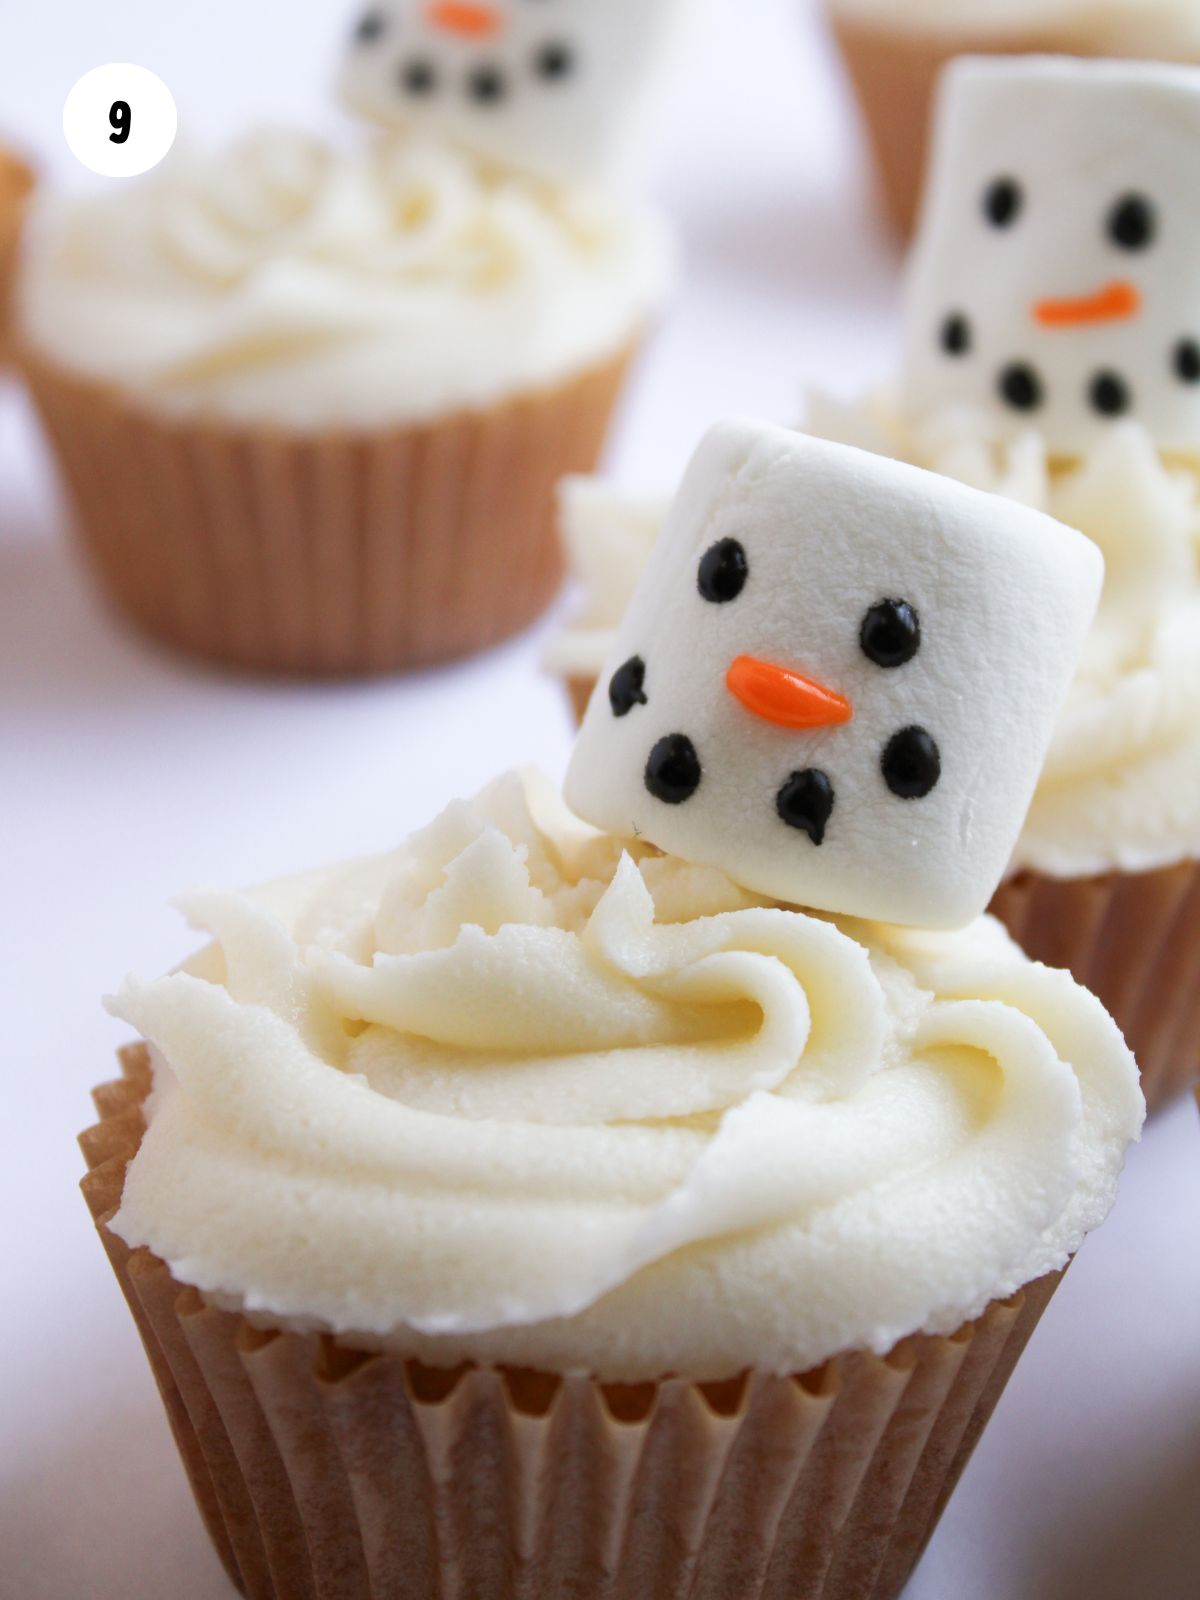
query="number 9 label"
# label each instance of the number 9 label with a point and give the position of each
(120, 120)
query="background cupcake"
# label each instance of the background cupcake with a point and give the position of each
(570, 1216)
(1034, 371)
(894, 51)
(311, 404)
(16, 185)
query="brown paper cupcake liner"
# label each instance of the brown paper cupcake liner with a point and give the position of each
(894, 73)
(324, 554)
(16, 186)
(579, 689)
(323, 1472)
(1133, 939)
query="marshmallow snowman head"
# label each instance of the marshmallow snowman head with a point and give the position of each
(1055, 281)
(838, 679)
(553, 87)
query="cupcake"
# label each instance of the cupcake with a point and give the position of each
(1049, 361)
(538, 1209)
(895, 49)
(311, 402)
(16, 185)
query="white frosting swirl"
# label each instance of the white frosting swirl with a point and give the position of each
(1121, 786)
(514, 1094)
(1101, 27)
(282, 281)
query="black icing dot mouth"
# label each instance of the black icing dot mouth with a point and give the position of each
(626, 688)
(673, 771)
(554, 61)
(1109, 394)
(912, 764)
(806, 803)
(954, 335)
(418, 77)
(1186, 360)
(370, 27)
(1020, 386)
(487, 85)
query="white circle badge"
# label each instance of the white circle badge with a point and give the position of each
(120, 120)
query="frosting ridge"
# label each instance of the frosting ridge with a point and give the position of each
(282, 280)
(517, 1093)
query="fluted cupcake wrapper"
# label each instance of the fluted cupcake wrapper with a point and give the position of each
(332, 553)
(324, 1472)
(1133, 939)
(895, 71)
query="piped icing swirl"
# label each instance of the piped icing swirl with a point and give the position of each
(285, 281)
(516, 1093)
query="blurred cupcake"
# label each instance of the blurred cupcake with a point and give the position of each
(16, 186)
(312, 404)
(531, 1210)
(1052, 356)
(895, 49)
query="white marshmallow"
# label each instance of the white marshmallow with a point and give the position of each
(1002, 596)
(1061, 229)
(554, 87)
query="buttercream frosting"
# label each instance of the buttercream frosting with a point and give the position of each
(1104, 27)
(516, 1092)
(283, 281)
(1121, 786)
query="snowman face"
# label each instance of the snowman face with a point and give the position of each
(546, 85)
(1055, 282)
(838, 679)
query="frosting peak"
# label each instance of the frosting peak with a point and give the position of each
(518, 1092)
(283, 280)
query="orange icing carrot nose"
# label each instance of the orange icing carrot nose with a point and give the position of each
(464, 17)
(1116, 302)
(779, 695)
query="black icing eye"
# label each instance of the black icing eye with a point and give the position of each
(1186, 360)
(723, 572)
(488, 85)
(806, 802)
(1002, 202)
(912, 764)
(1132, 223)
(1020, 387)
(891, 633)
(627, 687)
(554, 61)
(1109, 394)
(370, 27)
(955, 335)
(673, 771)
(418, 77)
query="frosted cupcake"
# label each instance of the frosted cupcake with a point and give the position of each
(16, 186)
(1049, 360)
(311, 403)
(534, 1210)
(895, 49)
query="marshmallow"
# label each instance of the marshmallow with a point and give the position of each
(838, 678)
(1055, 281)
(554, 87)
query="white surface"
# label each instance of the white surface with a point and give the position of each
(125, 776)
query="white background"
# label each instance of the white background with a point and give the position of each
(125, 776)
